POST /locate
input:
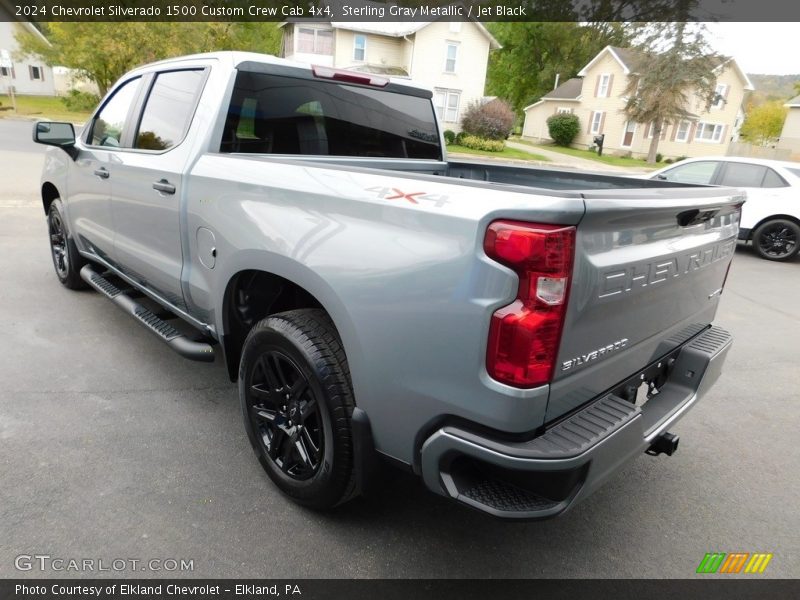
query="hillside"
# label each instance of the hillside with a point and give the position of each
(773, 87)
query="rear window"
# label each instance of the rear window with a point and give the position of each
(272, 114)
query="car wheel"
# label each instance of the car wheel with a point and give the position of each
(297, 400)
(777, 239)
(67, 261)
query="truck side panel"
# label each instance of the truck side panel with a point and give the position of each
(406, 282)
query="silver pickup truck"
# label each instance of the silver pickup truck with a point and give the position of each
(511, 335)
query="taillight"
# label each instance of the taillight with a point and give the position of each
(524, 336)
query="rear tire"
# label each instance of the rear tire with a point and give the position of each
(778, 239)
(67, 261)
(297, 401)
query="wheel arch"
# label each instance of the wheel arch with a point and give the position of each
(49, 193)
(254, 293)
(792, 218)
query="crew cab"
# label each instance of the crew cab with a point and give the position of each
(511, 335)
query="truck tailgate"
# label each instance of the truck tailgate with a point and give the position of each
(649, 270)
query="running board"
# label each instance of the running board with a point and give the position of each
(164, 331)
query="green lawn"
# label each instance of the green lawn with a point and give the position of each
(606, 158)
(49, 108)
(506, 153)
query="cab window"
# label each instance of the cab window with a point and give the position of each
(169, 109)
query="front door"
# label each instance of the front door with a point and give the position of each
(630, 129)
(147, 192)
(91, 174)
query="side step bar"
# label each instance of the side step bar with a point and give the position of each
(164, 331)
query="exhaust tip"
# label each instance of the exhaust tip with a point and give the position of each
(666, 443)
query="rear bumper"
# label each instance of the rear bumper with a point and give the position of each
(545, 476)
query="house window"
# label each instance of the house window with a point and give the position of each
(563, 110)
(314, 41)
(36, 73)
(450, 58)
(597, 122)
(709, 132)
(602, 89)
(447, 103)
(651, 129)
(5, 72)
(682, 131)
(719, 95)
(360, 48)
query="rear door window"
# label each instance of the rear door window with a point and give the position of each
(773, 180)
(743, 175)
(272, 114)
(169, 109)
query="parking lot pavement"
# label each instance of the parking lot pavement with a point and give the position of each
(114, 447)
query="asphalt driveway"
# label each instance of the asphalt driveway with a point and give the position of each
(111, 446)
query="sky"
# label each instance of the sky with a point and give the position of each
(758, 47)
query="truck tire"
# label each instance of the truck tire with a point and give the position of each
(67, 261)
(297, 401)
(778, 239)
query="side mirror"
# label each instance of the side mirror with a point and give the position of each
(56, 134)
(661, 177)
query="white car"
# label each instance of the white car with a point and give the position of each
(771, 215)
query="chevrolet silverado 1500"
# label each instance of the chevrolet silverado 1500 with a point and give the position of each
(512, 335)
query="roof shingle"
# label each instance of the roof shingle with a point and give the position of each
(569, 90)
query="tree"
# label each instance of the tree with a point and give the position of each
(675, 67)
(103, 52)
(763, 123)
(533, 53)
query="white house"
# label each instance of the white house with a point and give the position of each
(790, 136)
(450, 57)
(29, 76)
(597, 96)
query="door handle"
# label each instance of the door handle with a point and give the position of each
(102, 173)
(164, 186)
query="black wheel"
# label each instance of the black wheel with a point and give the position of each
(66, 258)
(297, 400)
(777, 239)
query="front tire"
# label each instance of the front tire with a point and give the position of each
(67, 261)
(778, 239)
(297, 401)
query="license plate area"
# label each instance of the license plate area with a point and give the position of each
(647, 383)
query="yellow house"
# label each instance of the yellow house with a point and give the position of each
(597, 97)
(790, 136)
(450, 57)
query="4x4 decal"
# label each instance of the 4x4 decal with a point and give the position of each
(392, 193)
